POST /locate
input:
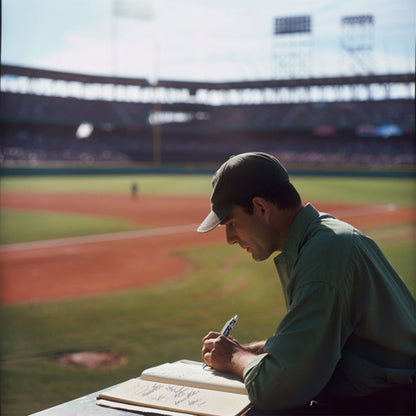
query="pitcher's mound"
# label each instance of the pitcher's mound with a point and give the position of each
(92, 359)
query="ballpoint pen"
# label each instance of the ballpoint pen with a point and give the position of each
(229, 325)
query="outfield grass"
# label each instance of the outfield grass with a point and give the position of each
(166, 322)
(22, 226)
(358, 190)
(154, 184)
(370, 190)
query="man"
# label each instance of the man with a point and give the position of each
(347, 344)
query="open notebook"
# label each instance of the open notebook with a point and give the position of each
(182, 386)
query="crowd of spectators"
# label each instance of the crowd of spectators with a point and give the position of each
(36, 129)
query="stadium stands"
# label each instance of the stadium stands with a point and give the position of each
(41, 128)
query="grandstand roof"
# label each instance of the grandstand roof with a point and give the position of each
(193, 86)
(70, 76)
(295, 82)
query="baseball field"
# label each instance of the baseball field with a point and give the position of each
(87, 267)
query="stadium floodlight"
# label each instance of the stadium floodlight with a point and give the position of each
(292, 46)
(357, 40)
(358, 20)
(137, 9)
(127, 9)
(292, 24)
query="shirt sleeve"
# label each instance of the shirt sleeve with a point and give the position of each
(302, 355)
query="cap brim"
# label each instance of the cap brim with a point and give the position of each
(213, 220)
(210, 222)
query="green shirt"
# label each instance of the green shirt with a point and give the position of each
(350, 328)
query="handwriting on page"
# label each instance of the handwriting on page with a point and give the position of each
(169, 394)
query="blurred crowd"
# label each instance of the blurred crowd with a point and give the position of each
(36, 129)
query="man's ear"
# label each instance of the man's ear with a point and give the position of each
(261, 208)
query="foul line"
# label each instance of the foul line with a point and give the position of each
(363, 210)
(90, 239)
(59, 242)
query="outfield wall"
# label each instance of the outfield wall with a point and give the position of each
(190, 169)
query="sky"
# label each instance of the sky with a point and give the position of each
(204, 40)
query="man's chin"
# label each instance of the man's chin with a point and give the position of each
(257, 257)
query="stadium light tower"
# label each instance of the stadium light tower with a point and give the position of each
(138, 10)
(141, 10)
(292, 46)
(357, 42)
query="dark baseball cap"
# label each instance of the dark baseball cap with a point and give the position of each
(239, 180)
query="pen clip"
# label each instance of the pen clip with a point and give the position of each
(229, 326)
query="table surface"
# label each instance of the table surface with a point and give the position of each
(82, 406)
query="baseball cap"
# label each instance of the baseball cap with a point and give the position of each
(240, 179)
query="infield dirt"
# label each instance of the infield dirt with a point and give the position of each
(88, 266)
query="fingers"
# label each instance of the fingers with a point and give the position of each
(206, 353)
(211, 335)
(217, 352)
(209, 345)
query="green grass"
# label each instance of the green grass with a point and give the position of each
(372, 190)
(149, 326)
(358, 190)
(402, 256)
(22, 226)
(160, 323)
(154, 184)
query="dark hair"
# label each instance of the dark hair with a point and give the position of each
(284, 196)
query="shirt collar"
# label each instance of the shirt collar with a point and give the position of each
(298, 229)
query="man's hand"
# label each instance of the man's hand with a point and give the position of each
(225, 353)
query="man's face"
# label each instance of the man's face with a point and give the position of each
(251, 232)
